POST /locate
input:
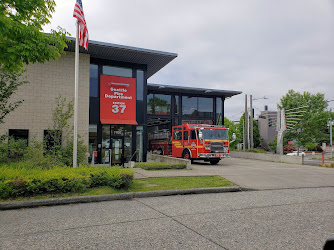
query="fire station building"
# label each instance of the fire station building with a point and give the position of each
(118, 108)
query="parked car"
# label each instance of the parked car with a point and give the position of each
(295, 153)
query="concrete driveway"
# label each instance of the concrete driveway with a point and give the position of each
(254, 174)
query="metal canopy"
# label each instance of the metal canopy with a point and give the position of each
(155, 60)
(159, 88)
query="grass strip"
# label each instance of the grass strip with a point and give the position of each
(142, 185)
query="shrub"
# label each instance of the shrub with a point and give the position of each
(160, 166)
(64, 154)
(20, 181)
(289, 148)
(11, 150)
(35, 158)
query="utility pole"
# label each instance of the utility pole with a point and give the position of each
(244, 137)
(251, 121)
(246, 124)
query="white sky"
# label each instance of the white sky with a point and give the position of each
(259, 47)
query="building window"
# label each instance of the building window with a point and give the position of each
(210, 122)
(117, 71)
(150, 104)
(52, 138)
(205, 107)
(162, 104)
(176, 100)
(93, 80)
(197, 106)
(140, 85)
(189, 106)
(19, 134)
(158, 104)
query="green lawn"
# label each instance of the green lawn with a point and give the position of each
(140, 185)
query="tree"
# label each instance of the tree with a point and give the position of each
(21, 38)
(9, 82)
(238, 130)
(60, 127)
(311, 129)
(22, 42)
(256, 133)
(232, 128)
(59, 140)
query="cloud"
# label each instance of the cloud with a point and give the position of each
(259, 47)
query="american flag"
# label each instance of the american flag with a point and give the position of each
(83, 31)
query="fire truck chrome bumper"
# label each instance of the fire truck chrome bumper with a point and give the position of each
(213, 155)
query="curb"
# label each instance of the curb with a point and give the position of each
(111, 197)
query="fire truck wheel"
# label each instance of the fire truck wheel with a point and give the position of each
(214, 162)
(186, 154)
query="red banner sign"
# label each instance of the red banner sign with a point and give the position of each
(117, 100)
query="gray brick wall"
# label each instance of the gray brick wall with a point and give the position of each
(48, 81)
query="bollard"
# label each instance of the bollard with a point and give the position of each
(323, 158)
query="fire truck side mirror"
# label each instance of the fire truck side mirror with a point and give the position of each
(234, 137)
(200, 135)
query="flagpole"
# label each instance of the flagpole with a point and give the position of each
(75, 136)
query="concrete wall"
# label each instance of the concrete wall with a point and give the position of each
(48, 81)
(269, 157)
(167, 159)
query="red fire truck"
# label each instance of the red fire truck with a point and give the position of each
(193, 141)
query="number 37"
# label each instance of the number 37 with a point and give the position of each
(117, 108)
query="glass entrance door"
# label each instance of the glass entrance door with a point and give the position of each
(117, 152)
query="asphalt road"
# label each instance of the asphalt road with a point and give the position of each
(269, 219)
(254, 174)
(269, 175)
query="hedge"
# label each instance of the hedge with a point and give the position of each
(24, 182)
(160, 166)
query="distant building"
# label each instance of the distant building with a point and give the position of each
(267, 125)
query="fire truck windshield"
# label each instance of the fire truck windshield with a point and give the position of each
(215, 134)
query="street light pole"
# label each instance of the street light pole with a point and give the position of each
(251, 121)
(330, 131)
